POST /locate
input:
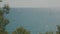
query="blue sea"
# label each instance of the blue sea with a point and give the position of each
(33, 19)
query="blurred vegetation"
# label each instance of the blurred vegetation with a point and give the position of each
(5, 32)
(58, 27)
(21, 30)
(49, 32)
(3, 20)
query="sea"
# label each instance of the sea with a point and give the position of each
(34, 20)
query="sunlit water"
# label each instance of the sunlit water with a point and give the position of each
(33, 19)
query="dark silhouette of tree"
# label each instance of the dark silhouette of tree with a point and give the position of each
(3, 20)
(21, 30)
(58, 27)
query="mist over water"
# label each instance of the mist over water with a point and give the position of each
(33, 19)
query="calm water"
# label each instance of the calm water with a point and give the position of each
(33, 19)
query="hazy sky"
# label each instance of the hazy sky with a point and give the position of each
(33, 3)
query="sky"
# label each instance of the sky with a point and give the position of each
(33, 3)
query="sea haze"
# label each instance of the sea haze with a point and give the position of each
(33, 19)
